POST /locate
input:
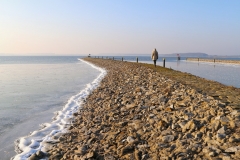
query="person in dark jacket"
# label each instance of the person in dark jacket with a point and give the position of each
(154, 56)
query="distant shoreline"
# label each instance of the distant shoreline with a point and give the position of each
(214, 60)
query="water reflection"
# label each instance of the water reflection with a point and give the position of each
(178, 63)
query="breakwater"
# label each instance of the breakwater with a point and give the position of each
(213, 60)
(143, 112)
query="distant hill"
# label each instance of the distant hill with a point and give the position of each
(186, 55)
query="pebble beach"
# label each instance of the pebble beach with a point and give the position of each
(146, 113)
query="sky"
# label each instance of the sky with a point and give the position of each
(115, 27)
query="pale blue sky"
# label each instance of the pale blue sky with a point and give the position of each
(80, 27)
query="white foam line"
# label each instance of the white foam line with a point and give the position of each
(36, 141)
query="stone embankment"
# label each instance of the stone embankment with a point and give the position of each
(214, 60)
(140, 113)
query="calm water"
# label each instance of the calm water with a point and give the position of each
(227, 74)
(32, 89)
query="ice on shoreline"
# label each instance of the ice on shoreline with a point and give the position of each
(28, 145)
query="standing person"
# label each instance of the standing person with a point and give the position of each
(154, 56)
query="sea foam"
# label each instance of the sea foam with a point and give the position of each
(37, 140)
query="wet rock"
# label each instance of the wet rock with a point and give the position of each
(40, 154)
(33, 157)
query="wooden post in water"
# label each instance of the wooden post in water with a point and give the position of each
(122, 58)
(113, 58)
(102, 57)
(137, 59)
(164, 62)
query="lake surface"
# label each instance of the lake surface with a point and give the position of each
(32, 89)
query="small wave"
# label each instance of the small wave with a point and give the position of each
(37, 140)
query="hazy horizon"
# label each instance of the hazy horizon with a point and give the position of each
(62, 28)
(116, 54)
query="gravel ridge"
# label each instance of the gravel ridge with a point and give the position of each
(138, 113)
